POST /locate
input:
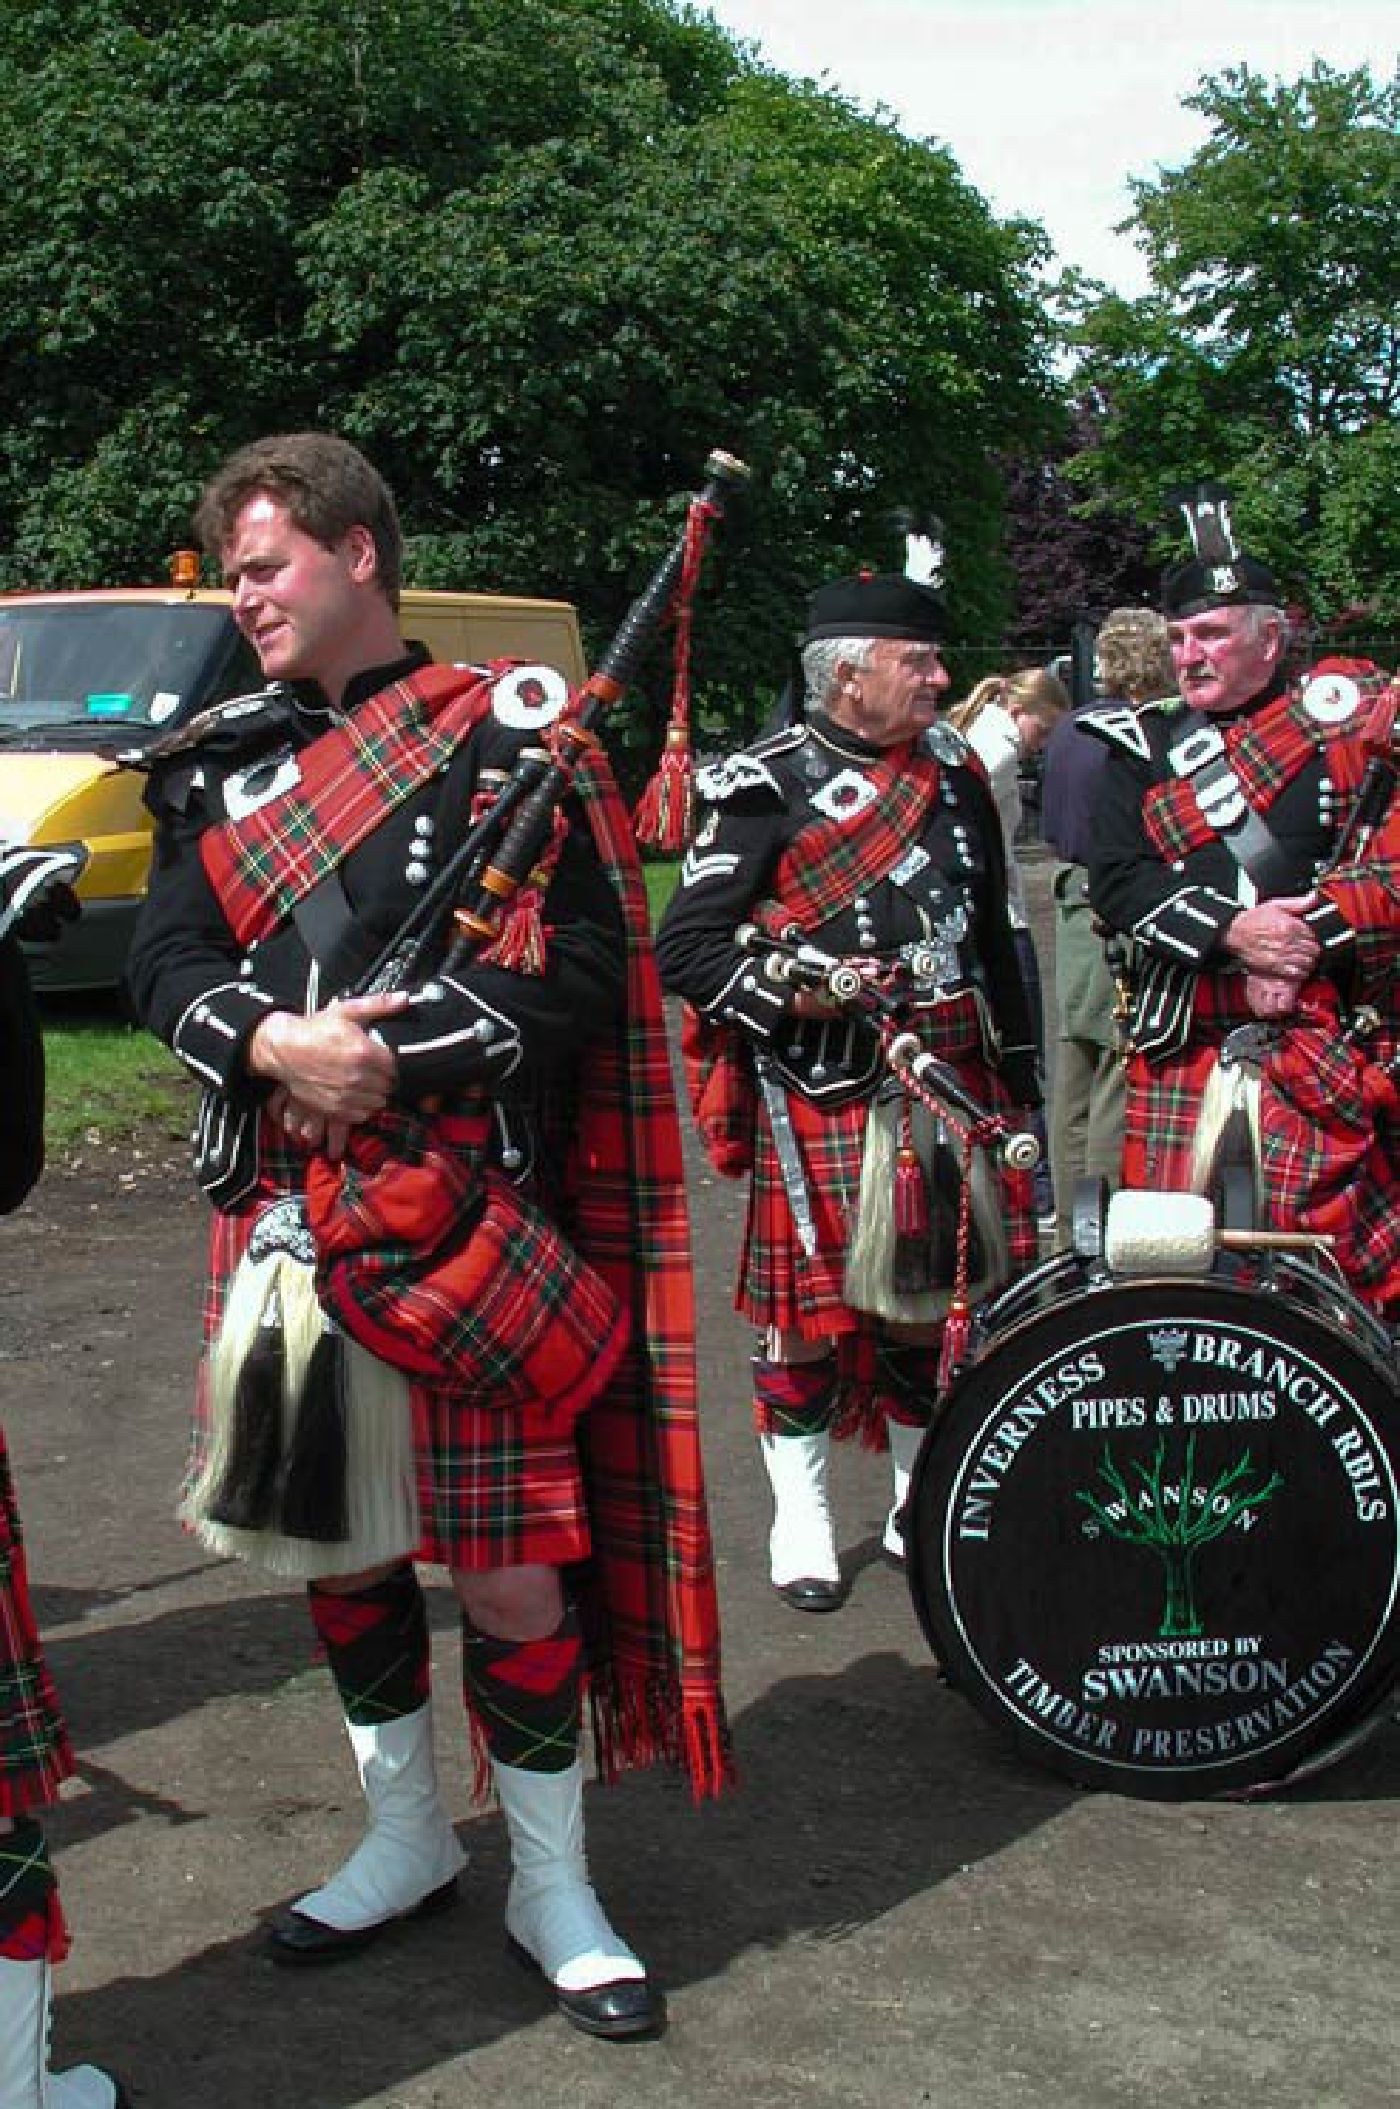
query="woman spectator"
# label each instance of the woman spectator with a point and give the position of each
(1006, 720)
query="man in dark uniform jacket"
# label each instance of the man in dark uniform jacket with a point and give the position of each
(868, 831)
(1215, 850)
(296, 831)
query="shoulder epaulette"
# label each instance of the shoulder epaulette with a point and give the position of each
(947, 745)
(1118, 725)
(737, 776)
(251, 717)
(783, 741)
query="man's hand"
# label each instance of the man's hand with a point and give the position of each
(331, 1069)
(1273, 941)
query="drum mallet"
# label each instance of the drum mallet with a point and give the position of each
(1152, 1233)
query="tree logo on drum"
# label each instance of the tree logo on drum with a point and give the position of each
(1174, 1515)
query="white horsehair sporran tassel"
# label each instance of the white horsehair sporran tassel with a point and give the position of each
(271, 1361)
(870, 1252)
(1230, 1101)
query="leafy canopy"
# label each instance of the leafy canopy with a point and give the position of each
(537, 257)
(1267, 353)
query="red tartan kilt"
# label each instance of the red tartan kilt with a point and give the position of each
(1164, 1099)
(497, 1486)
(497, 1489)
(35, 1754)
(779, 1285)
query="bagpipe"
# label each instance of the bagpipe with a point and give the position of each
(415, 1259)
(929, 1238)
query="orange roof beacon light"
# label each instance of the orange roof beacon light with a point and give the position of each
(184, 568)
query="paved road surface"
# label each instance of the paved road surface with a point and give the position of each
(895, 1910)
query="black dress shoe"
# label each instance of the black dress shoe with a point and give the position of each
(812, 1592)
(295, 1938)
(628, 2007)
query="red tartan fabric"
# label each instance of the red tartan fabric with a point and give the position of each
(1266, 752)
(35, 1753)
(1164, 1099)
(623, 1501)
(831, 861)
(1330, 1116)
(432, 1260)
(782, 1286)
(653, 1610)
(350, 779)
(722, 1091)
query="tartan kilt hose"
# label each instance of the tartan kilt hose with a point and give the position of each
(35, 1754)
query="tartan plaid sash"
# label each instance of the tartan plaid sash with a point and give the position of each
(1330, 1125)
(824, 866)
(351, 779)
(651, 1613)
(829, 862)
(1265, 753)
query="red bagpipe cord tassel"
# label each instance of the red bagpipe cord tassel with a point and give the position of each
(519, 945)
(957, 1326)
(911, 1213)
(664, 818)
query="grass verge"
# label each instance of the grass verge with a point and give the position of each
(107, 1080)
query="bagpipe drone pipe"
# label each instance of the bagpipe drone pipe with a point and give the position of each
(414, 1258)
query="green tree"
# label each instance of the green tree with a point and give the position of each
(537, 256)
(1174, 1517)
(1268, 350)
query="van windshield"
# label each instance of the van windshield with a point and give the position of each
(72, 672)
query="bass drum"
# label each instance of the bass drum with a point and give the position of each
(1153, 1531)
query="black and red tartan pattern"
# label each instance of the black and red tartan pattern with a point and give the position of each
(831, 861)
(376, 1642)
(624, 1496)
(35, 1753)
(793, 1398)
(261, 865)
(780, 1284)
(431, 1259)
(524, 1697)
(1330, 1136)
(1266, 753)
(32, 1925)
(1164, 1098)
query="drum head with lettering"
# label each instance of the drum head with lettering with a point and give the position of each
(1154, 1534)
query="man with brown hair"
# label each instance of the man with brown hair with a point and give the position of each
(502, 1095)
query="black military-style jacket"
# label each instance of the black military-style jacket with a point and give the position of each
(1176, 910)
(942, 909)
(192, 984)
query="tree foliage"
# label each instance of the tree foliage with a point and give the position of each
(1072, 561)
(1267, 353)
(537, 257)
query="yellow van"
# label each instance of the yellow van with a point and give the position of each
(83, 673)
